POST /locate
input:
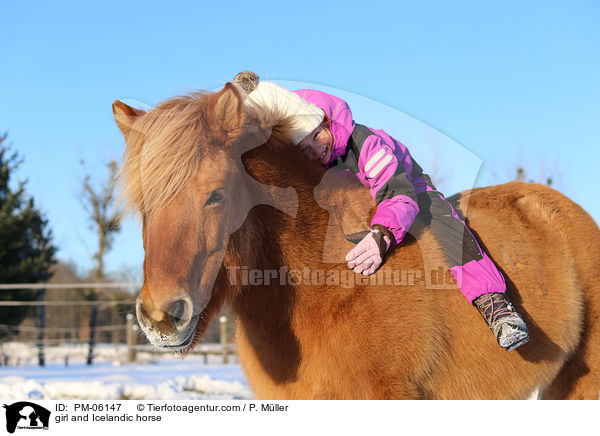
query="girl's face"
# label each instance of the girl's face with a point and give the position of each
(318, 145)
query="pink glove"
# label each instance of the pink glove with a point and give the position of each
(368, 254)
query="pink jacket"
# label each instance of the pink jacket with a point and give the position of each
(380, 162)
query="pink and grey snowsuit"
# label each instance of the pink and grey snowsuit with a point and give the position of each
(401, 191)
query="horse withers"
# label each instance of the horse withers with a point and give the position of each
(220, 192)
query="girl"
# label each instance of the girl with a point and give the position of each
(323, 128)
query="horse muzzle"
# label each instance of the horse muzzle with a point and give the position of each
(171, 327)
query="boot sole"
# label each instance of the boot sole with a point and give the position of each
(518, 344)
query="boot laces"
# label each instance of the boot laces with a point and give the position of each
(495, 308)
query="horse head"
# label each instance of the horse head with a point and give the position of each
(194, 166)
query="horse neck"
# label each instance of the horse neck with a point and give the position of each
(269, 245)
(270, 239)
(266, 312)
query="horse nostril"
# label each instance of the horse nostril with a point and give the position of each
(181, 311)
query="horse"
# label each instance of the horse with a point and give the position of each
(232, 214)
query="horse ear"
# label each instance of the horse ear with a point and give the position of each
(125, 116)
(229, 109)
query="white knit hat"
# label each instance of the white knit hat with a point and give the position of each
(281, 105)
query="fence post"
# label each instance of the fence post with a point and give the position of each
(93, 318)
(131, 337)
(223, 334)
(116, 333)
(41, 356)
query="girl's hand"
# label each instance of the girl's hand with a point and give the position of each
(368, 254)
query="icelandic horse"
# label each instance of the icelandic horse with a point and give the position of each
(220, 191)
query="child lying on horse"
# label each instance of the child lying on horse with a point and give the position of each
(324, 130)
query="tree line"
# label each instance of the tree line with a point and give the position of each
(27, 255)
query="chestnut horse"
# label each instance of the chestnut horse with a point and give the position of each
(230, 210)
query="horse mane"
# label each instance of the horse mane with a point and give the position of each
(165, 146)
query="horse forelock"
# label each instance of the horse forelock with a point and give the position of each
(167, 144)
(164, 149)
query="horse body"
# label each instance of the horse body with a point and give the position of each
(374, 340)
(381, 342)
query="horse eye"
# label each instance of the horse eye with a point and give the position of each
(215, 197)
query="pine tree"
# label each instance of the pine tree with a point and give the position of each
(26, 250)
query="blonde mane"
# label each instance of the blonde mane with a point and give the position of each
(163, 151)
(166, 144)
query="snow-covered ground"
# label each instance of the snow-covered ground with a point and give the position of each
(154, 376)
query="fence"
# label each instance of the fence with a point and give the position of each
(123, 329)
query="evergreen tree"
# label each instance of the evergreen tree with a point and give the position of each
(26, 250)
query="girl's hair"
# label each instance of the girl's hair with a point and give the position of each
(324, 126)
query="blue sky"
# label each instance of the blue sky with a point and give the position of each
(511, 82)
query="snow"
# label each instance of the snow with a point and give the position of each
(155, 376)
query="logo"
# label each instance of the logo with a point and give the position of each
(26, 415)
